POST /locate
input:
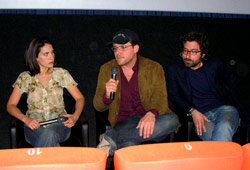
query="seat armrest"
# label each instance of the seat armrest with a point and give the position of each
(85, 130)
(85, 136)
(13, 133)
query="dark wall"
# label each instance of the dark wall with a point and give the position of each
(80, 47)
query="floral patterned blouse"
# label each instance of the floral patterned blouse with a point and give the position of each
(45, 103)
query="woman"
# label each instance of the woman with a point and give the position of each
(44, 85)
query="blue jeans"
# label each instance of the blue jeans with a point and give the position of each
(48, 136)
(224, 122)
(126, 134)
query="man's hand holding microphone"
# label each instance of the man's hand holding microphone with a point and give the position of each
(111, 85)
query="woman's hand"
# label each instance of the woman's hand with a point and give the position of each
(31, 123)
(71, 120)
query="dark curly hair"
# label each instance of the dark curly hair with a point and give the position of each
(199, 37)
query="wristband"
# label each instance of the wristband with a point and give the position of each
(190, 112)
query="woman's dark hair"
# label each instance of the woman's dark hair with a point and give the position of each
(31, 53)
(199, 37)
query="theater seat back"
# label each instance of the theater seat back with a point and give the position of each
(55, 158)
(201, 155)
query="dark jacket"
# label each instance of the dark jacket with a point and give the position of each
(221, 79)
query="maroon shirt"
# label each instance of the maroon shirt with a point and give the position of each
(130, 104)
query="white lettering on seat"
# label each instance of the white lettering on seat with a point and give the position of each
(34, 151)
(187, 146)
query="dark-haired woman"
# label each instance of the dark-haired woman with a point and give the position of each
(44, 85)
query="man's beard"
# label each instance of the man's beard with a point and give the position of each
(192, 64)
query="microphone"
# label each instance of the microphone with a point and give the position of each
(114, 72)
(59, 120)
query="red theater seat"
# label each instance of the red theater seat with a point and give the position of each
(246, 157)
(202, 155)
(55, 158)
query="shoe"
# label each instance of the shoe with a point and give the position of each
(104, 144)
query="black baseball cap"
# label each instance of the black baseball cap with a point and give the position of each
(124, 36)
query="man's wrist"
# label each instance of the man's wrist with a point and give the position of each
(106, 100)
(155, 112)
(190, 112)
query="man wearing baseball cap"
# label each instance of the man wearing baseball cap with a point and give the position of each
(138, 111)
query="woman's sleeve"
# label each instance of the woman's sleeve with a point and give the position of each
(22, 82)
(67, 80)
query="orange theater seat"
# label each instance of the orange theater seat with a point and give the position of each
(246, 157)
(53, 158)
(202, 155)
